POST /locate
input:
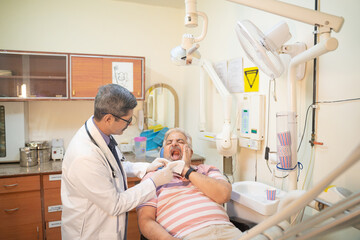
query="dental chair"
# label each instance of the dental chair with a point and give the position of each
(241, 226)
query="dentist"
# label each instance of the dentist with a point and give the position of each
(94, 192)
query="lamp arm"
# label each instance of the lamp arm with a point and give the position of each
(225, 140)
(298, 13)
(204, 28)
(207, 66)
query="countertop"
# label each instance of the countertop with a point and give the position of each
(14, 169)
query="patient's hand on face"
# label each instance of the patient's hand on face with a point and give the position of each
(186, 157)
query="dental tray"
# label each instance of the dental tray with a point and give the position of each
(253, 195)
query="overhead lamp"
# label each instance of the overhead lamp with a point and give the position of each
(186, 53)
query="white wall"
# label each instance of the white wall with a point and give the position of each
(92, 27)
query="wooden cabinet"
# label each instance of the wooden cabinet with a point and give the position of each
(89, 72)
(30, 75)
(45, 76)
(133, 231)
(52, 206)
(20, 208)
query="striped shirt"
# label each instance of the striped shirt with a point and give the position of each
(181, 208)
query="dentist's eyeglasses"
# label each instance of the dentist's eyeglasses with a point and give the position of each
(130, 122)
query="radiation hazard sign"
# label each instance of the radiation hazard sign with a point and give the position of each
(251, 79)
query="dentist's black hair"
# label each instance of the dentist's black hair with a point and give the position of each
(113, 99)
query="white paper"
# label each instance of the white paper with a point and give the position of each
(122, 74)
(235, 75)
(221, 70)
(177, 166)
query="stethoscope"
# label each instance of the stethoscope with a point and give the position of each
(93, 140)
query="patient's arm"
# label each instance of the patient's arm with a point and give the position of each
(216, 189)
(149, 227)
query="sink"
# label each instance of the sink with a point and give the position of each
(248, 201)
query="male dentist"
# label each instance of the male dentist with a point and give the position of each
(94, 191)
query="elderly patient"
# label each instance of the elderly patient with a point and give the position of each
(189, 207)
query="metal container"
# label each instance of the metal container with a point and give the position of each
(28, 156)
(43, 150)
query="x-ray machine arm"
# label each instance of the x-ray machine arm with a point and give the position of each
(226, 143)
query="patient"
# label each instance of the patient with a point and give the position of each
(189, 207)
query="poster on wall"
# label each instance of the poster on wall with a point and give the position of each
(251, 79)
(122, 74)
(230, 73)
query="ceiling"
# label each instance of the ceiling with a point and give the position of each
(165, 3)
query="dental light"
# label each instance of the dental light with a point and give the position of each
(187, 54)
(184, 54)
(263, 50)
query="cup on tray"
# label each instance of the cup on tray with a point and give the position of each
(271, 194)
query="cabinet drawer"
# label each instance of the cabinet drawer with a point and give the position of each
(52, 181)
(53, 230)
(18, 209)
(19, 184)
(52, 199)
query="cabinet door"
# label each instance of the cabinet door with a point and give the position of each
(52, 205)
(28, 75)
(89, 72)
(86, 76)
(20, 215)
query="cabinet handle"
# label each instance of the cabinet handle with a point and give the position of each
(73, 92)
(38, 232)
(11, 185)
(11, 210)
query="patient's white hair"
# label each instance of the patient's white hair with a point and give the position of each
(188, 137)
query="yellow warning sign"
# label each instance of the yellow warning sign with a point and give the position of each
(251, 79)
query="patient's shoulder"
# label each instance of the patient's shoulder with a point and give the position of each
(203, 168)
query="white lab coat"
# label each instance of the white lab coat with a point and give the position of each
(95, 203)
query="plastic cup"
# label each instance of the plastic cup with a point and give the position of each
(271, 194)
(140, 147)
